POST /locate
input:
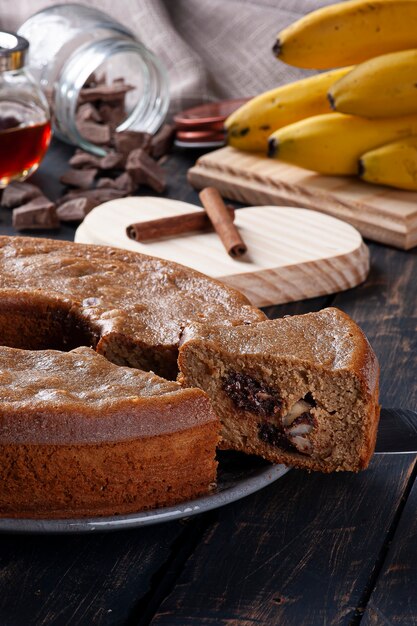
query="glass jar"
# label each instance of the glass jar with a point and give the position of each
(71, 43)
(25, 128)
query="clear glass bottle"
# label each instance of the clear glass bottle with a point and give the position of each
(69, 44)
(25, 128)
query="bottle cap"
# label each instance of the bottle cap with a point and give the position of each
(13, 50)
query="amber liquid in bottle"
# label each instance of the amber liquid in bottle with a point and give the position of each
(22, 148)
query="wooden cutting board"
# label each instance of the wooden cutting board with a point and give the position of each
(379, 213)
(293, 254)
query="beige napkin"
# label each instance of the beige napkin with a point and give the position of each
(213, 49)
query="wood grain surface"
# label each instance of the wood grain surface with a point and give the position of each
(379, 213)
(293, 254)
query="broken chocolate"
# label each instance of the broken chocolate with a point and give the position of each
(144, 170)
(124, 182)
(112, 160)
(88, 113)
(128, 140)
(252, 395)
(99, 134)
(106, 93)
(76, 209)
(18, 193)
(82, 159)
(161, 143)
(83, 179)
(96, 195)
(39, 213)
(271, 434)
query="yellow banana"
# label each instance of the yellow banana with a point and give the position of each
(334, 143)
(348, 33)
(394, 165)
(249, 127)
(381, 87)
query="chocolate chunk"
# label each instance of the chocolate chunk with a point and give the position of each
(83, 159)
(99, 134)
(9, 121)
(161, 143)
(252, 395)
(112, 161)
(105, 93)
(88, 113)
(124, 182)
(144, 170)
(128, 140)
(113, 113)
(271, 434)
(17, 194)
(83, 179)
(96, 195)
(36, 214)
(76, 209)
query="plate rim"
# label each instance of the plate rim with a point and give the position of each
(241, 489)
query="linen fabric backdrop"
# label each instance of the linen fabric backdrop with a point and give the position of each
(212, 49)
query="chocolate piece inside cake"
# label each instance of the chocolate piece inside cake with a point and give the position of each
(301, 390)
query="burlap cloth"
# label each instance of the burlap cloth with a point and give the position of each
(213, 49)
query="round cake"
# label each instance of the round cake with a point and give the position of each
(80, 435)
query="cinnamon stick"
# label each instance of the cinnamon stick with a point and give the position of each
(222, 223)
(172, 226)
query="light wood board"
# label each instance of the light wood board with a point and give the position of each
(293, 254)
(379, 213)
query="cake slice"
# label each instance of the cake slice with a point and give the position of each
(300, 390)
(80, 436)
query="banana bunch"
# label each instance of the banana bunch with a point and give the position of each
(359, 120)
(249, 127)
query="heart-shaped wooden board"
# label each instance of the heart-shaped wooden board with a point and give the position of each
(293, 253)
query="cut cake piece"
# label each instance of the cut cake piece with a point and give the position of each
(300, 390)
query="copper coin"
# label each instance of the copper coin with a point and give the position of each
(199, 135)
(210, 113)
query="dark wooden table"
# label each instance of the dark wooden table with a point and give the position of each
(309, 550)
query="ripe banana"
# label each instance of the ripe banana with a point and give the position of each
(334, 143)
(348, 33)
(382, 87)
(249, 127)
(394, 165)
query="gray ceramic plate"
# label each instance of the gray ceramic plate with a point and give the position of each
(238, 476)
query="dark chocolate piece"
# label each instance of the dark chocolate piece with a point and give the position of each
(17, 194)
(88, 113)
(252, 395)
(271, 434)
(39, 213)
(112, 113)
(97, 195)
(76, 209)
(83, 179)
(105, 93)
(99, 134)
(81, 160)
(161, 143)
(124, 182)
(112, 161)
(144, 170)
(128, 140)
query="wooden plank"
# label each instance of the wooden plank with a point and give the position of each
(299, 552)
(394, 599)
(80, 580)
(293, 254)
(382, 214)
(386, 308)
